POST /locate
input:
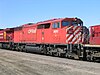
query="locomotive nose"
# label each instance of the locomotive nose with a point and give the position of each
(73, 35)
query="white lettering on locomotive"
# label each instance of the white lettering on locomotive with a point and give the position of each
(1, 33)
(32, 31)
(55, 31)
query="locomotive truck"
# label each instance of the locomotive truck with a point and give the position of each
(64, 37)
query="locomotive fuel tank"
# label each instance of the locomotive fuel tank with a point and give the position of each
(32, 48)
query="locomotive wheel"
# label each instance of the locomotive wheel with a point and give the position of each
(90, 58)
(56, 54)
(50, 53)
(68, 55)
(20, 48)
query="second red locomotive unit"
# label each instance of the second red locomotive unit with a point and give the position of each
(65, 37)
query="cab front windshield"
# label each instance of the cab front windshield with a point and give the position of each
(65, 23)
(78, 22)
(75, 23)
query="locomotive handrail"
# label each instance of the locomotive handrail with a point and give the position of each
(88, 45)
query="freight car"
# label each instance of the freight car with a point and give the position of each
(6, 37)
(92, 49)
(65, 37)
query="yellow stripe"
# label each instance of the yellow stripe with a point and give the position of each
(5, 35)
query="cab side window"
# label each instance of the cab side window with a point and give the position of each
(44, 26)
(56, 25)
(65, 23)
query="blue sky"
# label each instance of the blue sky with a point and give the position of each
(17, 12)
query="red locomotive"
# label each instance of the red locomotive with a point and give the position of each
(55, 31)
(95, 35)
(59, 37)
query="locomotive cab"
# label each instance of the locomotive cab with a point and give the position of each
(72, 22)
(74, 30)
(76, 35)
